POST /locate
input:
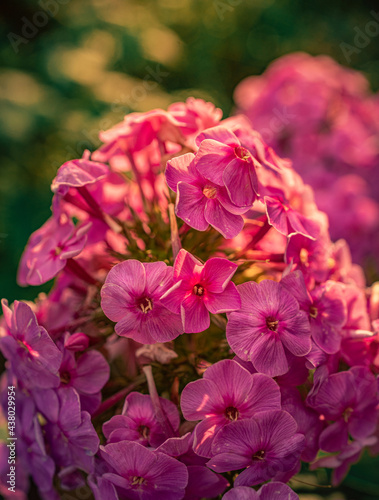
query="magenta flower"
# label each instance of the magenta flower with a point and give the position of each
(270, 491)
(49, 248)
(201, 288)
(311, 257)
(87, 374)
(200, 202)
(142, 474)
(202, 482)
(78, 173)
(287, 220)
(308, 422)
(138, 421)
(33, 356)
(350, 400)
(266, 445)
(226, 393)
(341, 462)
(131, 296)
(71, 436)
(31, 451)
(222, 160)
(326, 309)
(267, 327)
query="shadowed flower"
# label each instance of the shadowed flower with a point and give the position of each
(138, 421)
(49, 248)
(350, 400)
(226, 393)
(33, 356)
(269, 491)
(266, 445)
(268, 325)
(141, 474)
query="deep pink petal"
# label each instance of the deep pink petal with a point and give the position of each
(217, 273)
(195, 316)
(92, 372)
(232, 381)
(212, 158)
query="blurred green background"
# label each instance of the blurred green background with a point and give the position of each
(73, 67)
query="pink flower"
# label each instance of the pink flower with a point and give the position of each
(285, 219)
(201, 288)
(267, 327)
(49, 248)
(326, 309)
(139, 423)
(142, 474)
(222, 160)
(131, 296)
(200, 202)
(226, 393)
(33, 356)
(265, 445)
(269, 491)
(350, 400)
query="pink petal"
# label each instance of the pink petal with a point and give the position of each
(200, 399)
(217, 273)
(181, 169)
(204, 434)
(195, 316)
(227, 301)
(190, 206)
(186, 265)
(130, 275)
(220, 134)
(238, 182)
(115, 301)
(212, 159)
(229, 225)
(268, 356)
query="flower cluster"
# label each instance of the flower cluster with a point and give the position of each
(203, 335)
(323, 117)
